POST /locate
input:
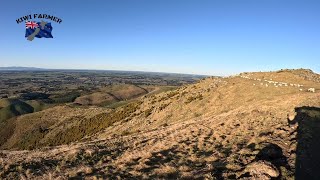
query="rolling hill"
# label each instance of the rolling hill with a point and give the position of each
(13, 107)
(112, 94)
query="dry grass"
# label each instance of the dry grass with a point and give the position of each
(165, 171)
(112, 94)
(218, 136)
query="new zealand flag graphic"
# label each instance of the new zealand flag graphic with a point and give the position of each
(39, 29)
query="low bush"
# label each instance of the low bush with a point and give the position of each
(193, 98)
(148, 112)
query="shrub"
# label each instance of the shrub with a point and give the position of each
(148, 112)
(172, 93)
(163, 106)
(193, 98)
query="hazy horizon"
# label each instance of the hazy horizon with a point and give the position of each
(42, 68)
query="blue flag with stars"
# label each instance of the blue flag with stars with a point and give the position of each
(45, 31)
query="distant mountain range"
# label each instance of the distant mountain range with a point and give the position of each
(19, 68)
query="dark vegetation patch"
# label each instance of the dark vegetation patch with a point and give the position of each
(65, 98)
(148, 112)
(34, 96)
(84, 128)
(163, 106)
(172, 93)
(184, 93)
(193, 98)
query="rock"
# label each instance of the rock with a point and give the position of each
(291, 116)
(271, 152)
(260, 170)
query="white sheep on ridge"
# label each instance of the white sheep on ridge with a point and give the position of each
(312, 90)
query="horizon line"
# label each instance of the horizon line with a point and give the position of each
(80, 69)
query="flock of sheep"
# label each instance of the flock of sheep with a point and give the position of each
(265, 82)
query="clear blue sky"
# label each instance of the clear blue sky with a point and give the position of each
(187, 36)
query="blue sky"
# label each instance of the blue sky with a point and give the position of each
(185, 36)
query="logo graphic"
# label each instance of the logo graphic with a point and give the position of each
(41, 29)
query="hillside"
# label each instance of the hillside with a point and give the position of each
(111, 95)
(65, 123)
(43, 128)
(255, 125)
(13, 107)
